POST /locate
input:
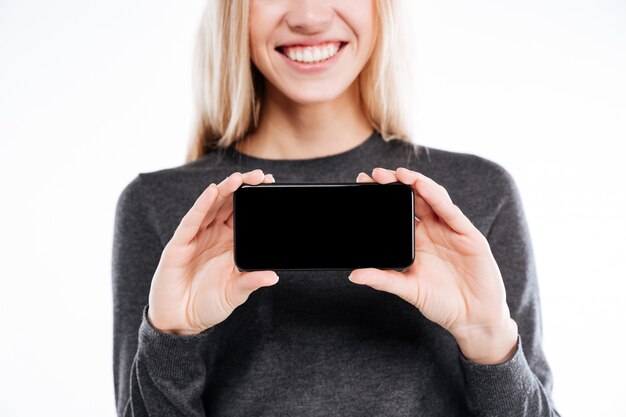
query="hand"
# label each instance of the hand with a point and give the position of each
(196, 284)
(454, 280)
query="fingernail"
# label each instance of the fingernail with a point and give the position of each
(271, 177)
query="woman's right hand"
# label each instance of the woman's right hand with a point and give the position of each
(196, 284)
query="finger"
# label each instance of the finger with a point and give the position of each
(269, 178)
(246, 282)
(225, 190)
(252, 178)
(383, 176)
(437, 197)
(391, 281)
(363, 177)
(191, 222)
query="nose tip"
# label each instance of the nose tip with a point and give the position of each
(309, 16)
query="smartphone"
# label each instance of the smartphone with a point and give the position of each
(331, 226)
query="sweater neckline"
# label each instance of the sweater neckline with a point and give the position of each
(372, 142)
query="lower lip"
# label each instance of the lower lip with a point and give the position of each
(313, 67)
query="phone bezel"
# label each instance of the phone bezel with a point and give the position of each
(320, 185)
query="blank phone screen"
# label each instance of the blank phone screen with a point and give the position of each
(323, 226)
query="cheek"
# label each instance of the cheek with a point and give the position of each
(259, 29)
(253, 45)
(362, 22)
(369, 28)
(259, 52)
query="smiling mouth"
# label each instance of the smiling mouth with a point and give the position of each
(311, 54)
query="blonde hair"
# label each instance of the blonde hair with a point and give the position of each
(229, 88)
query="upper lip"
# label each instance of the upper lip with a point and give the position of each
(308, 42)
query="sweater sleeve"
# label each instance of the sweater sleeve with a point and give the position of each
(521, 386)
(155, 373)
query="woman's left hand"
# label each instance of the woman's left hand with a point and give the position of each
(454, 280)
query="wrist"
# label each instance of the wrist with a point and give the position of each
(490, 345)
(167, 329)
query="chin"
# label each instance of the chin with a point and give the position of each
(318, 93)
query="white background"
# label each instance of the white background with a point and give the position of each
(91, 93)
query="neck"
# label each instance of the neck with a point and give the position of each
(290, 130)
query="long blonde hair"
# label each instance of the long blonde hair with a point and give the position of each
(229, 87)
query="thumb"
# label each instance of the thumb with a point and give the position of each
(391, 281)
(248, 282)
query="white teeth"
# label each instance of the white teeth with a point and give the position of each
(317, 54)
(311, 54)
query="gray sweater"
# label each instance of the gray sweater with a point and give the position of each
(316, 344)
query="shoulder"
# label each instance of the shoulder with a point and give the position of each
(162, 195)
(130, 198)
(208, 166)
(170, 182)
(462, 168)
(468, 170)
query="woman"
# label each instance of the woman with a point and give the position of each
(310, 91)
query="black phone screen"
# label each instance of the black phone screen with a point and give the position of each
(323, 226)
